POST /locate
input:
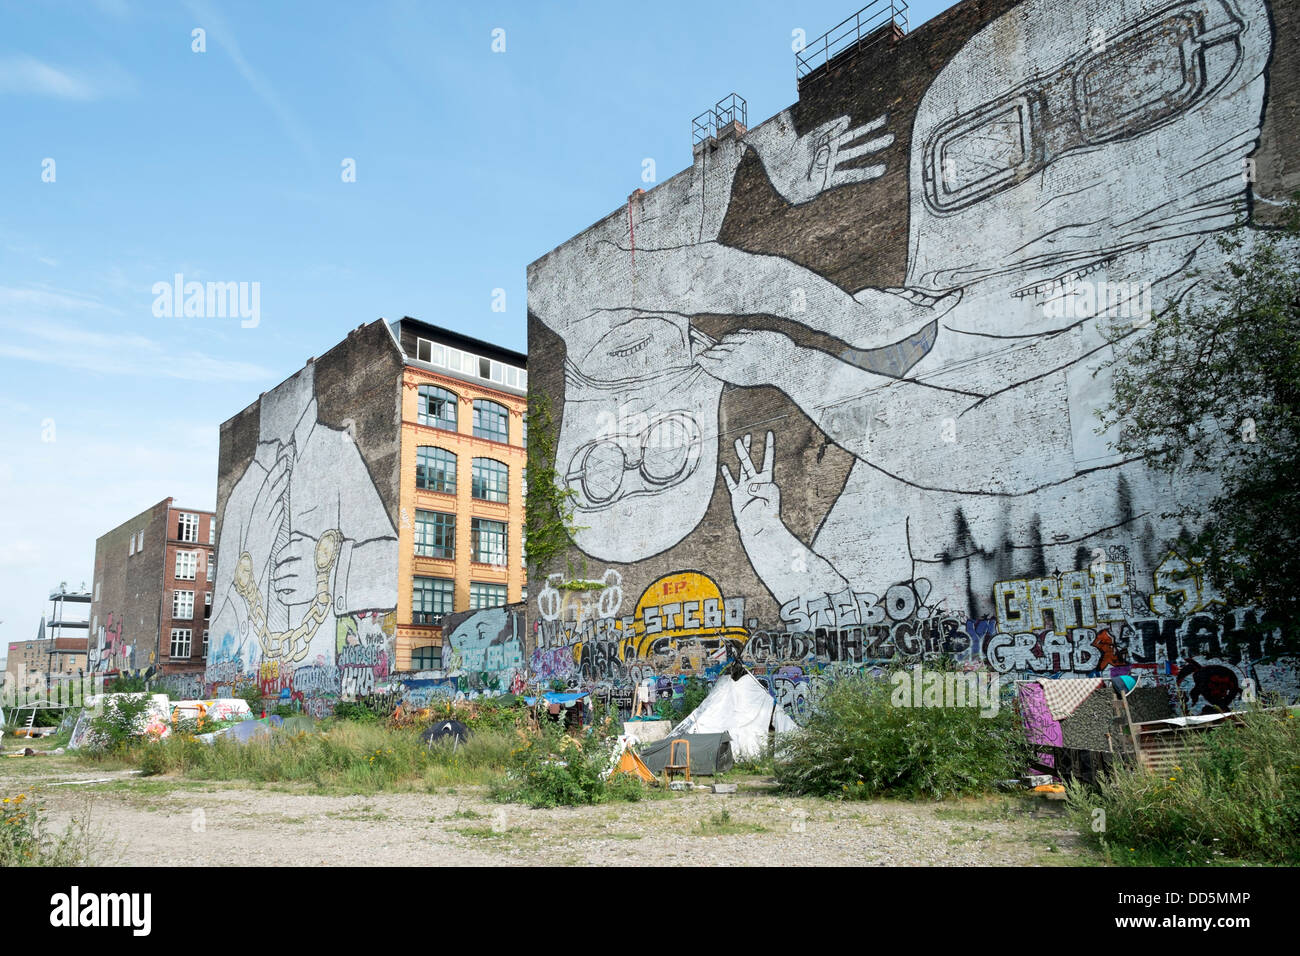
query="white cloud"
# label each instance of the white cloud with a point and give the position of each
(27, 76)
(39, 329)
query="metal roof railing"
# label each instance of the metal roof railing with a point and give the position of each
(864, 29)
(732, 108)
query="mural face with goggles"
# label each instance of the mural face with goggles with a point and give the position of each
(1146, 77)
(632, 446)
(1096, 92)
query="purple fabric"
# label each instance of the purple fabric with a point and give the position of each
(1040, 727)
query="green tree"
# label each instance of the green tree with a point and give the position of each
(1209, 387)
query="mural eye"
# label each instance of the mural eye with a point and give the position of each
(666, 451)
(1141, 81)
(990, 149)
(601, 473)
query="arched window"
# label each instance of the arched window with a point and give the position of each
(490, 480)
(491, 421)
(437, 407)
(435, 469)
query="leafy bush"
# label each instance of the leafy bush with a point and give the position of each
(355, 711)
(1239, 800)
(126, 684)
(855, 744)
(678, 709)
(550, 768)
(251, 693)
(121, 722)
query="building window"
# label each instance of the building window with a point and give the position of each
(490, 480)
(212, 531)
(187, 565)
(181, 641)
(139, 543)
(187, 527)
(430, 600)
(431, 352)
(205, 642)
(486, 595)
(491, 421)
(212, 567)
(207, 605)
(97, 584)
(488, 539)
(435, 469)
(435, 534)
(437, 407)
(426, 658)
(182, 605)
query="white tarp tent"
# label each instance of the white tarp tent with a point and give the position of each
(740, 707)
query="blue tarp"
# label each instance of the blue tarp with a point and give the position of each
(568, 700)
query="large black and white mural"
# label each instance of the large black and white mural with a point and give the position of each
(846, 368)
(305, 594)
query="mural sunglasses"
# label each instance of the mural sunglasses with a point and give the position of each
(666, 453)
(1145, 77)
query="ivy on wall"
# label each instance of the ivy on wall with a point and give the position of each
(548, 506)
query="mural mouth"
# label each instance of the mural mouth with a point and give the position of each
(640, 348)
(1063, 283)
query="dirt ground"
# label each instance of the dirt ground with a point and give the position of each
(163, 821)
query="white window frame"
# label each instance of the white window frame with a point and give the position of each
(187, 642)
(182, 605)
(187, 565)
(188, 529)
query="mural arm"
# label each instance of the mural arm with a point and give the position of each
(908, 417)
(788, 568)
(710, 278)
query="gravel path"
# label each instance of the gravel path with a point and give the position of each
(164, 822)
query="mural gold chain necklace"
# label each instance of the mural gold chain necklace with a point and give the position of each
(290, 645)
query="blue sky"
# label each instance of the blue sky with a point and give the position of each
(226, 166)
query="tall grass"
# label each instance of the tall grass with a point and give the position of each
(25, 840)
(1238, 801)
(357, 757)
(855, 744)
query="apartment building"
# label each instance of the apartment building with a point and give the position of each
(464, 457)
(153, 591)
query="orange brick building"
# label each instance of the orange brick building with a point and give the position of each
(463, 459)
